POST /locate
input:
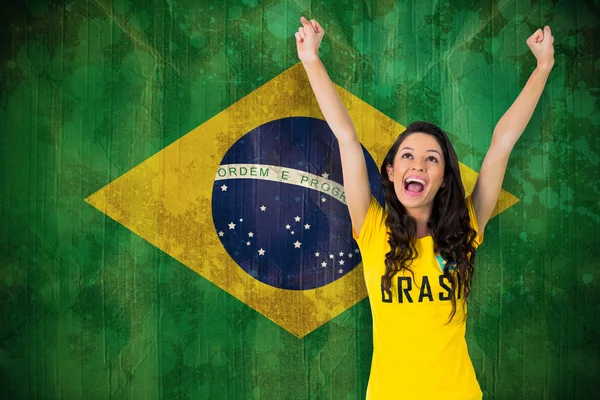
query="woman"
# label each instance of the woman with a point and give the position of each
(418, 253)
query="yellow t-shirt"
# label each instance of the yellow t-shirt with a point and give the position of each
(415, 354)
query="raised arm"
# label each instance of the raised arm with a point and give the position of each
(354, 167)
(509, 128)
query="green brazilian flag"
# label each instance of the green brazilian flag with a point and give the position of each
(116, 123)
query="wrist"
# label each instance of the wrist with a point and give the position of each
(545, 66)
(310, 59)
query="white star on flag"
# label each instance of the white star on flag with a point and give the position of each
(261, 252)
(317, 254)
(331, 256)
(341, 254)
(340, 270)
(297, 244)
(349, 255)
(292, 232)
(223, 188)
(263, 208)
(323, 264)
(356, 251)
(307, 226)
(250, 234)
(221, 233)
(325, 175)
(341, 262)
(247, 243)
(287, 227)
(297, 219)
(231, 225)
(241, 219)
(323, 199)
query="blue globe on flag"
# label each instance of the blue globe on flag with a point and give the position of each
(279, 205)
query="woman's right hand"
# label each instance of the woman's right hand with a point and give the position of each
(308, 39)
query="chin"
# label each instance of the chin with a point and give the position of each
(410, 202)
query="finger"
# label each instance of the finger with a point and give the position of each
(547, 31)
(298, 38)
(309, 28)
(301, 32)
(539, 36)
(533, 37)
(314, 25)
(304, 21)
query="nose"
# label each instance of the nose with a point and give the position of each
(418, 168)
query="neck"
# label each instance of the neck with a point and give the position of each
(421, 215)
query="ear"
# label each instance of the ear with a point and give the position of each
(390, 172)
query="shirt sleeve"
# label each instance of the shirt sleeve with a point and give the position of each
(473, 217)
(373, 228)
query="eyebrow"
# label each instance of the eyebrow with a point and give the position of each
(410, 148)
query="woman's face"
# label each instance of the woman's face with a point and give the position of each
(418, 170)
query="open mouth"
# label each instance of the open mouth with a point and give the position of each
(414, 186)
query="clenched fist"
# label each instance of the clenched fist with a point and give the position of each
(540, 44)
(308, 39)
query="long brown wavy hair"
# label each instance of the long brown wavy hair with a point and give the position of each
(449, 222)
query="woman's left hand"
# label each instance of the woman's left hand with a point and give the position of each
(540, 44)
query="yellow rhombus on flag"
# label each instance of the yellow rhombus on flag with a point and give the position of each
(167, 199)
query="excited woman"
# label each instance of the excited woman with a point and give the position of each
(418, 253)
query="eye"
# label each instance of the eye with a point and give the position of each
(406, 154)
(432, 158)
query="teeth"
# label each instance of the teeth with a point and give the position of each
(409, 180)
